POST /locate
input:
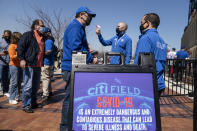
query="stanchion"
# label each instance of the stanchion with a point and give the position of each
(195, 97)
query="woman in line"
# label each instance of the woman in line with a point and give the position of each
(15, 70)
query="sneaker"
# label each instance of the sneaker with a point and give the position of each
(44, 100)
(18, 99)
(50, 94)
(28, 109)
(1, 93)
(13, 102)
(7, 94)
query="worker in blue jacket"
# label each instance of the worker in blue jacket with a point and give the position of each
(182, 54)
(150, 41)
(74, 40)
(121, 42)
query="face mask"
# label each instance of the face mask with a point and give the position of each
(142, 29)
(118, 32)
(7, 39)
(41, 29)
(88, 20)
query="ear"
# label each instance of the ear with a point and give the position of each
(149, 24)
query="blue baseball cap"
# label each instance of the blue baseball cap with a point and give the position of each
(46, 29)
(85, 9)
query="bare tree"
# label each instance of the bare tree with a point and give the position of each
(56, 22)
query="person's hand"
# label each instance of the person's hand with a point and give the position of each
(22, 63)
(98, 29)
(3, 54)
(95, 60)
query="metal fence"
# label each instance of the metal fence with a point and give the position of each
(181, 80)
(179, 77)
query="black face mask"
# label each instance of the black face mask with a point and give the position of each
(7, 39)
(118, 32)
(142, 29)
(87, 20)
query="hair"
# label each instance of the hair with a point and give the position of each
(8, 31)
(153, 18)
(15, 37)
(174, 49)
(35, 22)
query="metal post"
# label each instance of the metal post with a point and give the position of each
(195, 97)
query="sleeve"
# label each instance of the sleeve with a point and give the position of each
(22, 47)
(12, 52)
(128, 51)
(105, 42)
(144, 45)
(48, 45)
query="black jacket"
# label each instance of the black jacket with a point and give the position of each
(28, 48)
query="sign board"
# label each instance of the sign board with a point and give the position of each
(113, 98)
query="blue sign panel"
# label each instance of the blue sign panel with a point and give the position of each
(113, 102)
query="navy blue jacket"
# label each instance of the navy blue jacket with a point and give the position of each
(122, 44)
(28, 48)
(150, 41)
(74, 40)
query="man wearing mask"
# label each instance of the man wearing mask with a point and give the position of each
(31, 52)
(121, 42)
(74, 40)
(150, 41)
(4, 63)
(47, 70)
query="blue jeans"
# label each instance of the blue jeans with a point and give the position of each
(66, 103)
(4, 78)
(31, 80)
(16, 79)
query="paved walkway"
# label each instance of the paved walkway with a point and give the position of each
(176, 113)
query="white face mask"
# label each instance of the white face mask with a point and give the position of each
(41, 29)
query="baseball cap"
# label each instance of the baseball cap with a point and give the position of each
(46, 29)
(85, 9)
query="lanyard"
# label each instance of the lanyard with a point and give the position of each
(117, 40)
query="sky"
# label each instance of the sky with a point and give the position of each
(173, 16)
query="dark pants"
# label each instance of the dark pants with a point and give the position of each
(4, 78)
(66, 103)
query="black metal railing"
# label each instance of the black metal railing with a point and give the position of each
(195, 98)
(179, 77)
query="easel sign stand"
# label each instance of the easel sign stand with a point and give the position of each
(114, 97)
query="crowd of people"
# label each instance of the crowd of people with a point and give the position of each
(25, 58)
(22, 59)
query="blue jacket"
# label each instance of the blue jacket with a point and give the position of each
(182, 54)
(150, 41)
(121, 44)
(74, 40)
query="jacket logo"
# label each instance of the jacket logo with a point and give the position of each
(160, 45)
